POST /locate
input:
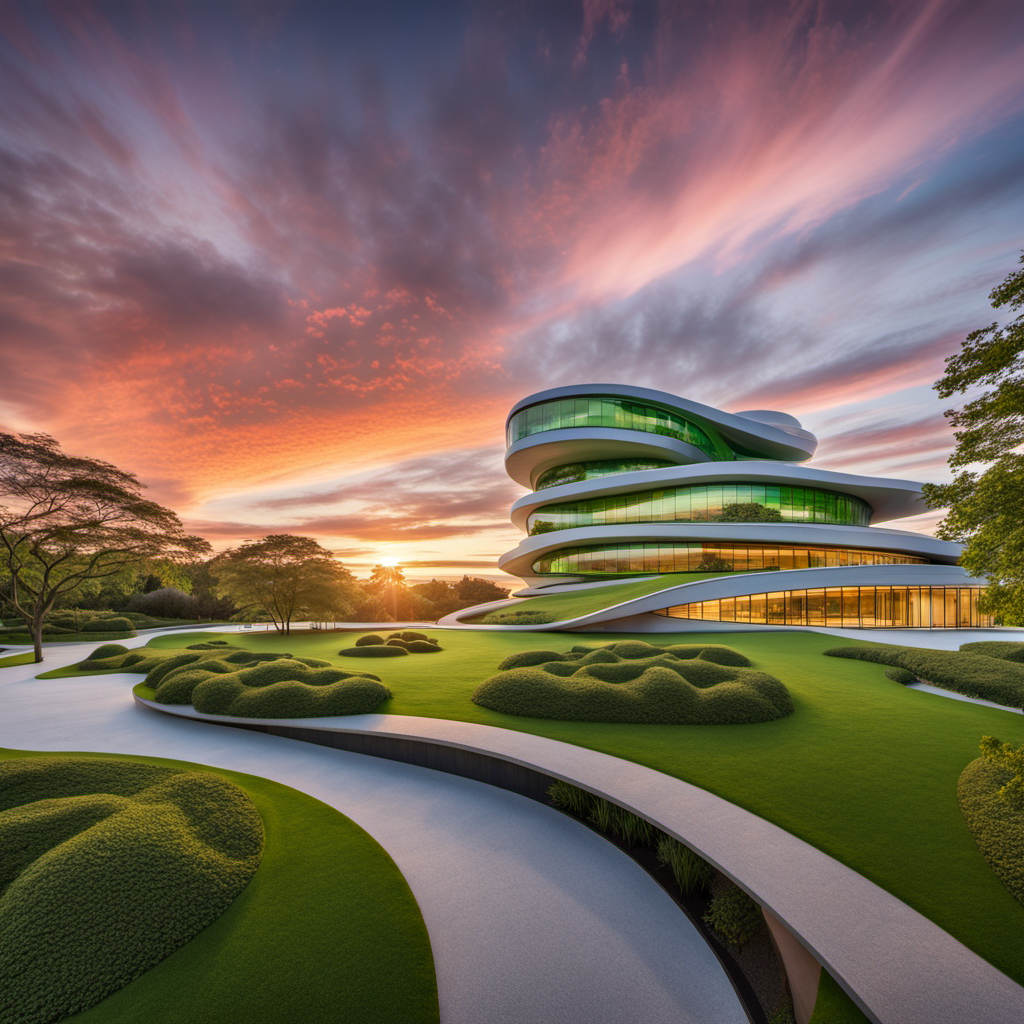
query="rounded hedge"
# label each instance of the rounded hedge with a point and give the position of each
(107, 651)
(375, 651)
(109, 866)
(227, 695)
(997, 827)
(372, 638)
(1004, 650)
(626, 682)
(973, 675)
(115, 624)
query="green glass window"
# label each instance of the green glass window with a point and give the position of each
(703, 503)
(858, 607)
(612, 412)
(635, 559)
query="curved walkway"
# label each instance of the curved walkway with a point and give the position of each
(895, 963)
(532, 917)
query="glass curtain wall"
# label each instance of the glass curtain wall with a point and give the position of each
(612, 412)
(702, 503)
(856, 607)
(573, 472)
(636, 558)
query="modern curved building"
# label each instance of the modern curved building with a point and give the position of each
(628, 483)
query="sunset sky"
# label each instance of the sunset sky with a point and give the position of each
(291, 263)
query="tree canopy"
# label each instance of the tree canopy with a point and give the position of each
(285, 577)
(66, 521)
(986, 507)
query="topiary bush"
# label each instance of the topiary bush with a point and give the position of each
(373, 651)
(996, 823)
(1004, 650)
(901, 676)
(114, 624)
(372, 638)
(284, 687)
(106, 868)
(634, 682)
(107, 651)
(973, 675)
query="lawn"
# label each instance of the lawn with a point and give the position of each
(327, 922)
(583, 602)
(865, 770)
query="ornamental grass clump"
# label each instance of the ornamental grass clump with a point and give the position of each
(693, 874)
(972, 674)
(635, 682)
(106, 868)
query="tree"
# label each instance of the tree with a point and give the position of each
(284, 577)
(472, 590)
(387, 582)
(66, 521)
(748, 512)
(986, 507)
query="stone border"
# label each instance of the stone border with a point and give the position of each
(897, 966)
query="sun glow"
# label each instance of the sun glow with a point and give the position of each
(389, 561)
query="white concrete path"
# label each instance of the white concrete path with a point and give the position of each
(532, 918)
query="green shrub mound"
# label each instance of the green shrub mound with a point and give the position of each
(1004, 650)
(406, 642)
(365, 641)
(373, 651)
(997, 826)
(900, 675)
(249, 684)
(733, 916)
(107, 651)
(634, 682)
(281, 688)
(106, 868)
(354, 694)
(973, 675)
(115, 624)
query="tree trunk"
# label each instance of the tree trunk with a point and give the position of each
(37, 636)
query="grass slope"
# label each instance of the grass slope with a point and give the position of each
(327, 922)
(866, 770)
(583, 602)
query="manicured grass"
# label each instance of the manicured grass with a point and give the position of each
(25, 658)
(583, 602)
(327, 927)
(865, 769)
(833, 1005)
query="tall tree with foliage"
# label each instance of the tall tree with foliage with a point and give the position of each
(986, 507)
(66, 521)
(285, 577)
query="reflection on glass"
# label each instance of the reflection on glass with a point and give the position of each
(701, 503)
(573, 472)
(563, 413)
(847, 607)
(637, 558)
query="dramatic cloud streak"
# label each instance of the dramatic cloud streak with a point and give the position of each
(290, 264)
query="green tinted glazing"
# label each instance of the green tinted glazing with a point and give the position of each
(703, 503)
(562, 413)
(634, 558)
(856, 607)
(573, 472)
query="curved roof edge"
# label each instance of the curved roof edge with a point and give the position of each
(519, 561)
(528, 457)
(889, 498)
(782, 438)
